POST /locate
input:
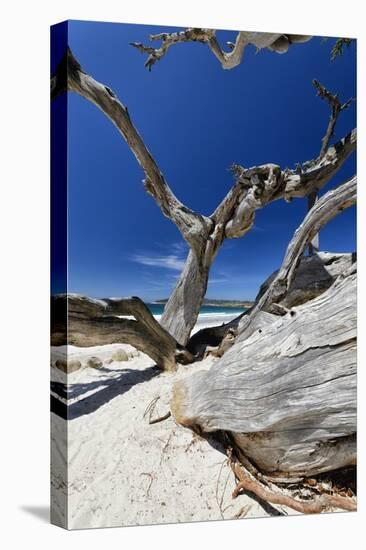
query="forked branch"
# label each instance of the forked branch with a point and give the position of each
(169, 39)
(254, 188)
(258, 186)
(228, 59)
(336, 107)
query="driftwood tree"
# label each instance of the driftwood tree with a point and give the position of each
(253, 189)
(284, 386)
(286, 390)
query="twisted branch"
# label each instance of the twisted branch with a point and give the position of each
(168, 39)
(273, 41)
(258, 186)
(254, 188)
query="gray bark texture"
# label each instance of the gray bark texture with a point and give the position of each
(83, 322)
(182, 309)
(286, 389)
(287, 393)
(329, 206)
(314, 275)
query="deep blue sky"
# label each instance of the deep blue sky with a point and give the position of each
(197, 120)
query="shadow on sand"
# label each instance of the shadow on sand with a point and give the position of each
(110, 388)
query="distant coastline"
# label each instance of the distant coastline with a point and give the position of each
(217, 303)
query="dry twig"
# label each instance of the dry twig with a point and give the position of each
(160, 418)
(150, 410)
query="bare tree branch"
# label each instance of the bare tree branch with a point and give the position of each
(337, 49)
(325, 209)
(335, 109)
(273, 41)
(193, 226)
(258, 186)
(91, 322)
(254, 188)
(168, 39)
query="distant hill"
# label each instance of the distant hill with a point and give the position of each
(218, 303)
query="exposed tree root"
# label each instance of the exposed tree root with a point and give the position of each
(315, 506)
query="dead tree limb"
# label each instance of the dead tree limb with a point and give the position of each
(258, 186)
(338, 47)
(336, 107)
(329, 206)
(313, 276)
(286, 414)
(169, 39)
(287, 393)
(233, 218)
(276, 42)
(254, 188)
(315, 506)
(91, 322)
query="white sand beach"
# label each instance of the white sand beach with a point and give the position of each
(123, 470)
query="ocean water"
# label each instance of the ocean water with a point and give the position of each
(157, 309)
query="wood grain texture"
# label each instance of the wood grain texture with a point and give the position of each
(288, 392)
(324, 210)
(92, 322)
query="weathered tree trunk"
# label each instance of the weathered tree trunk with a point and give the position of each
(84, 322)
(286, 390)
(314, 275)
(182, 309)
(287, 393)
